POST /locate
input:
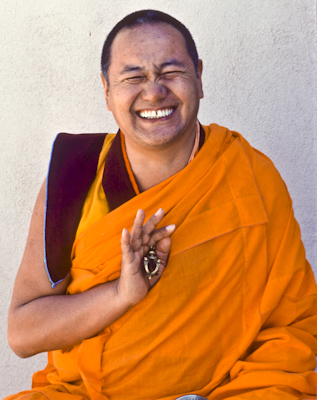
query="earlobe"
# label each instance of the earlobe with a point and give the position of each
(106, 88)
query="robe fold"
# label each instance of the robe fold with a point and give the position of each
(234, 315)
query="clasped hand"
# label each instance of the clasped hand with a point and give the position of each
(133, 285)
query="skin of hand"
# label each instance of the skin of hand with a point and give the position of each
(133, 285)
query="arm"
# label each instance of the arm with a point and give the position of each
(42, 318)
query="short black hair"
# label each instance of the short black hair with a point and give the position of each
(141, 18)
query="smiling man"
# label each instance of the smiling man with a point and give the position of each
(153, 89)
(211, 296)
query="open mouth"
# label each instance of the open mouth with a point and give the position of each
(152, 114)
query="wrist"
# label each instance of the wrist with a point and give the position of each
(123, 302)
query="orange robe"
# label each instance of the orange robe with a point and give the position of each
(235, 313)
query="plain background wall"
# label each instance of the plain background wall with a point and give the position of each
(259, 65)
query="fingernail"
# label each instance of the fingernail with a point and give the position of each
(170, 227)
(158, 212)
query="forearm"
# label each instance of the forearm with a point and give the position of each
(42, 318)
(54, 322)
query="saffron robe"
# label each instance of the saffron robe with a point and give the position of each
(234, 314)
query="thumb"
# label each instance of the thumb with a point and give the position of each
(163, 247)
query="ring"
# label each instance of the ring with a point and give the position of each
(151, 263)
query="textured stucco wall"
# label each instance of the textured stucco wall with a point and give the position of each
(259, 64)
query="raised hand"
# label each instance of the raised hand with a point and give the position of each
(133, 285)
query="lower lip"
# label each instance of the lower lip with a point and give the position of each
(157, 119)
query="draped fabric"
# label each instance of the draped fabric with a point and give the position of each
(234, 314)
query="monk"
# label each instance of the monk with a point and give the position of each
(173, 265)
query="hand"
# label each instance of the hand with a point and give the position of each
(133, 285)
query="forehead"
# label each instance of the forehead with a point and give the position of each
(148, 42)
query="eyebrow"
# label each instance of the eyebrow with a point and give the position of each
(172, 62)
(130, 68)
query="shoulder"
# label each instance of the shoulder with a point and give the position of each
(78, 152)
(271, 187)
(83, 142)
(276, 200)
(275, 197)
(266, 175)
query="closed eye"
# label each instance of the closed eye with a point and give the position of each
(171, 74)
(135, 79)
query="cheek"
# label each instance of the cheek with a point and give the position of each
(115, 104)
(185, 89)
(125, 97)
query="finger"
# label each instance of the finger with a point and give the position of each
(162, 249)
(127, 253)
(130, 260)
(161, 233)
(150, 225)
(136, 232)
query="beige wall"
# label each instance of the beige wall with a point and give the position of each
(259, 63)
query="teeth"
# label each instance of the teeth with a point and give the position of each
(156, 114)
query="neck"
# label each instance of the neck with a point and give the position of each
(152, 166)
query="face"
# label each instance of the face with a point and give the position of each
(153, 90)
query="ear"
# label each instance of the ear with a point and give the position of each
(200, 71)
(106, 88)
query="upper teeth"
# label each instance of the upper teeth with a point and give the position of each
(156, 114)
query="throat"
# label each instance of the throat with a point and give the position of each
(154, 175)
(150, 170)
(149, 167)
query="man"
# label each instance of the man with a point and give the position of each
(211, 296)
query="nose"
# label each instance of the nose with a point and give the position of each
(154, 91)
